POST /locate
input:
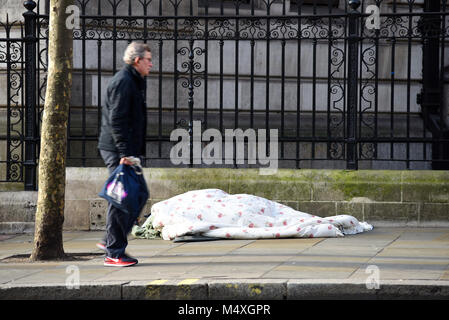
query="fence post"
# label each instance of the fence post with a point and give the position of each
(430, 97)
(30, 96)
(353, 67)
(190, 100)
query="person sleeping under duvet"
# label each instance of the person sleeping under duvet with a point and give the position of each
(214, 213)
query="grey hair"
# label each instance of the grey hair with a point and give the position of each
(135, 50)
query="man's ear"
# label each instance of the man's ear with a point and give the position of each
(136, 60)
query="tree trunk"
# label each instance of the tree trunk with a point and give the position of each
(48, 242)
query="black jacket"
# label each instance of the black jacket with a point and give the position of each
(124, 115)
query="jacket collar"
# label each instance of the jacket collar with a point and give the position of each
(136, 75)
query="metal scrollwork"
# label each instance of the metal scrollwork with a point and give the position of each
(368, 93)
(159, 28)
(252, 28)
(191, 28)
(221, 29)
(11, 56)
(191, 67)
(336, 120)
(284, 29)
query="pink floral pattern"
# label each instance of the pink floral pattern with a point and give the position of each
(215, 213)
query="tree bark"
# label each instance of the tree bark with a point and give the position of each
(48, 242)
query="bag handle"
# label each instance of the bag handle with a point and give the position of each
(136, 165)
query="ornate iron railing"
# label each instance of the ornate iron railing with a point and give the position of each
(340, 93)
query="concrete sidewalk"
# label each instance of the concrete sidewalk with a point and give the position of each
(385, 263)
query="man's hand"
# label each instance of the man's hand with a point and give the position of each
(126, 161)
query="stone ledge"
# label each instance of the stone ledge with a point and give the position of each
(399, 198)
(232, 289)
(94, 291)
(16, 227)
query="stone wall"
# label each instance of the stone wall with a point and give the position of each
(387, 198)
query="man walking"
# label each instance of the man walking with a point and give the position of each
(123, 131)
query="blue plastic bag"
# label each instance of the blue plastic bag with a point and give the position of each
(126, 189)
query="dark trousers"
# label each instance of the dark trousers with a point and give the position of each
(118, 223)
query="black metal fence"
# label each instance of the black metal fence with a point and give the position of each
(342, 86)
(11, 61)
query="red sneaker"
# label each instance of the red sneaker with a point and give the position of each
(123, 261)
